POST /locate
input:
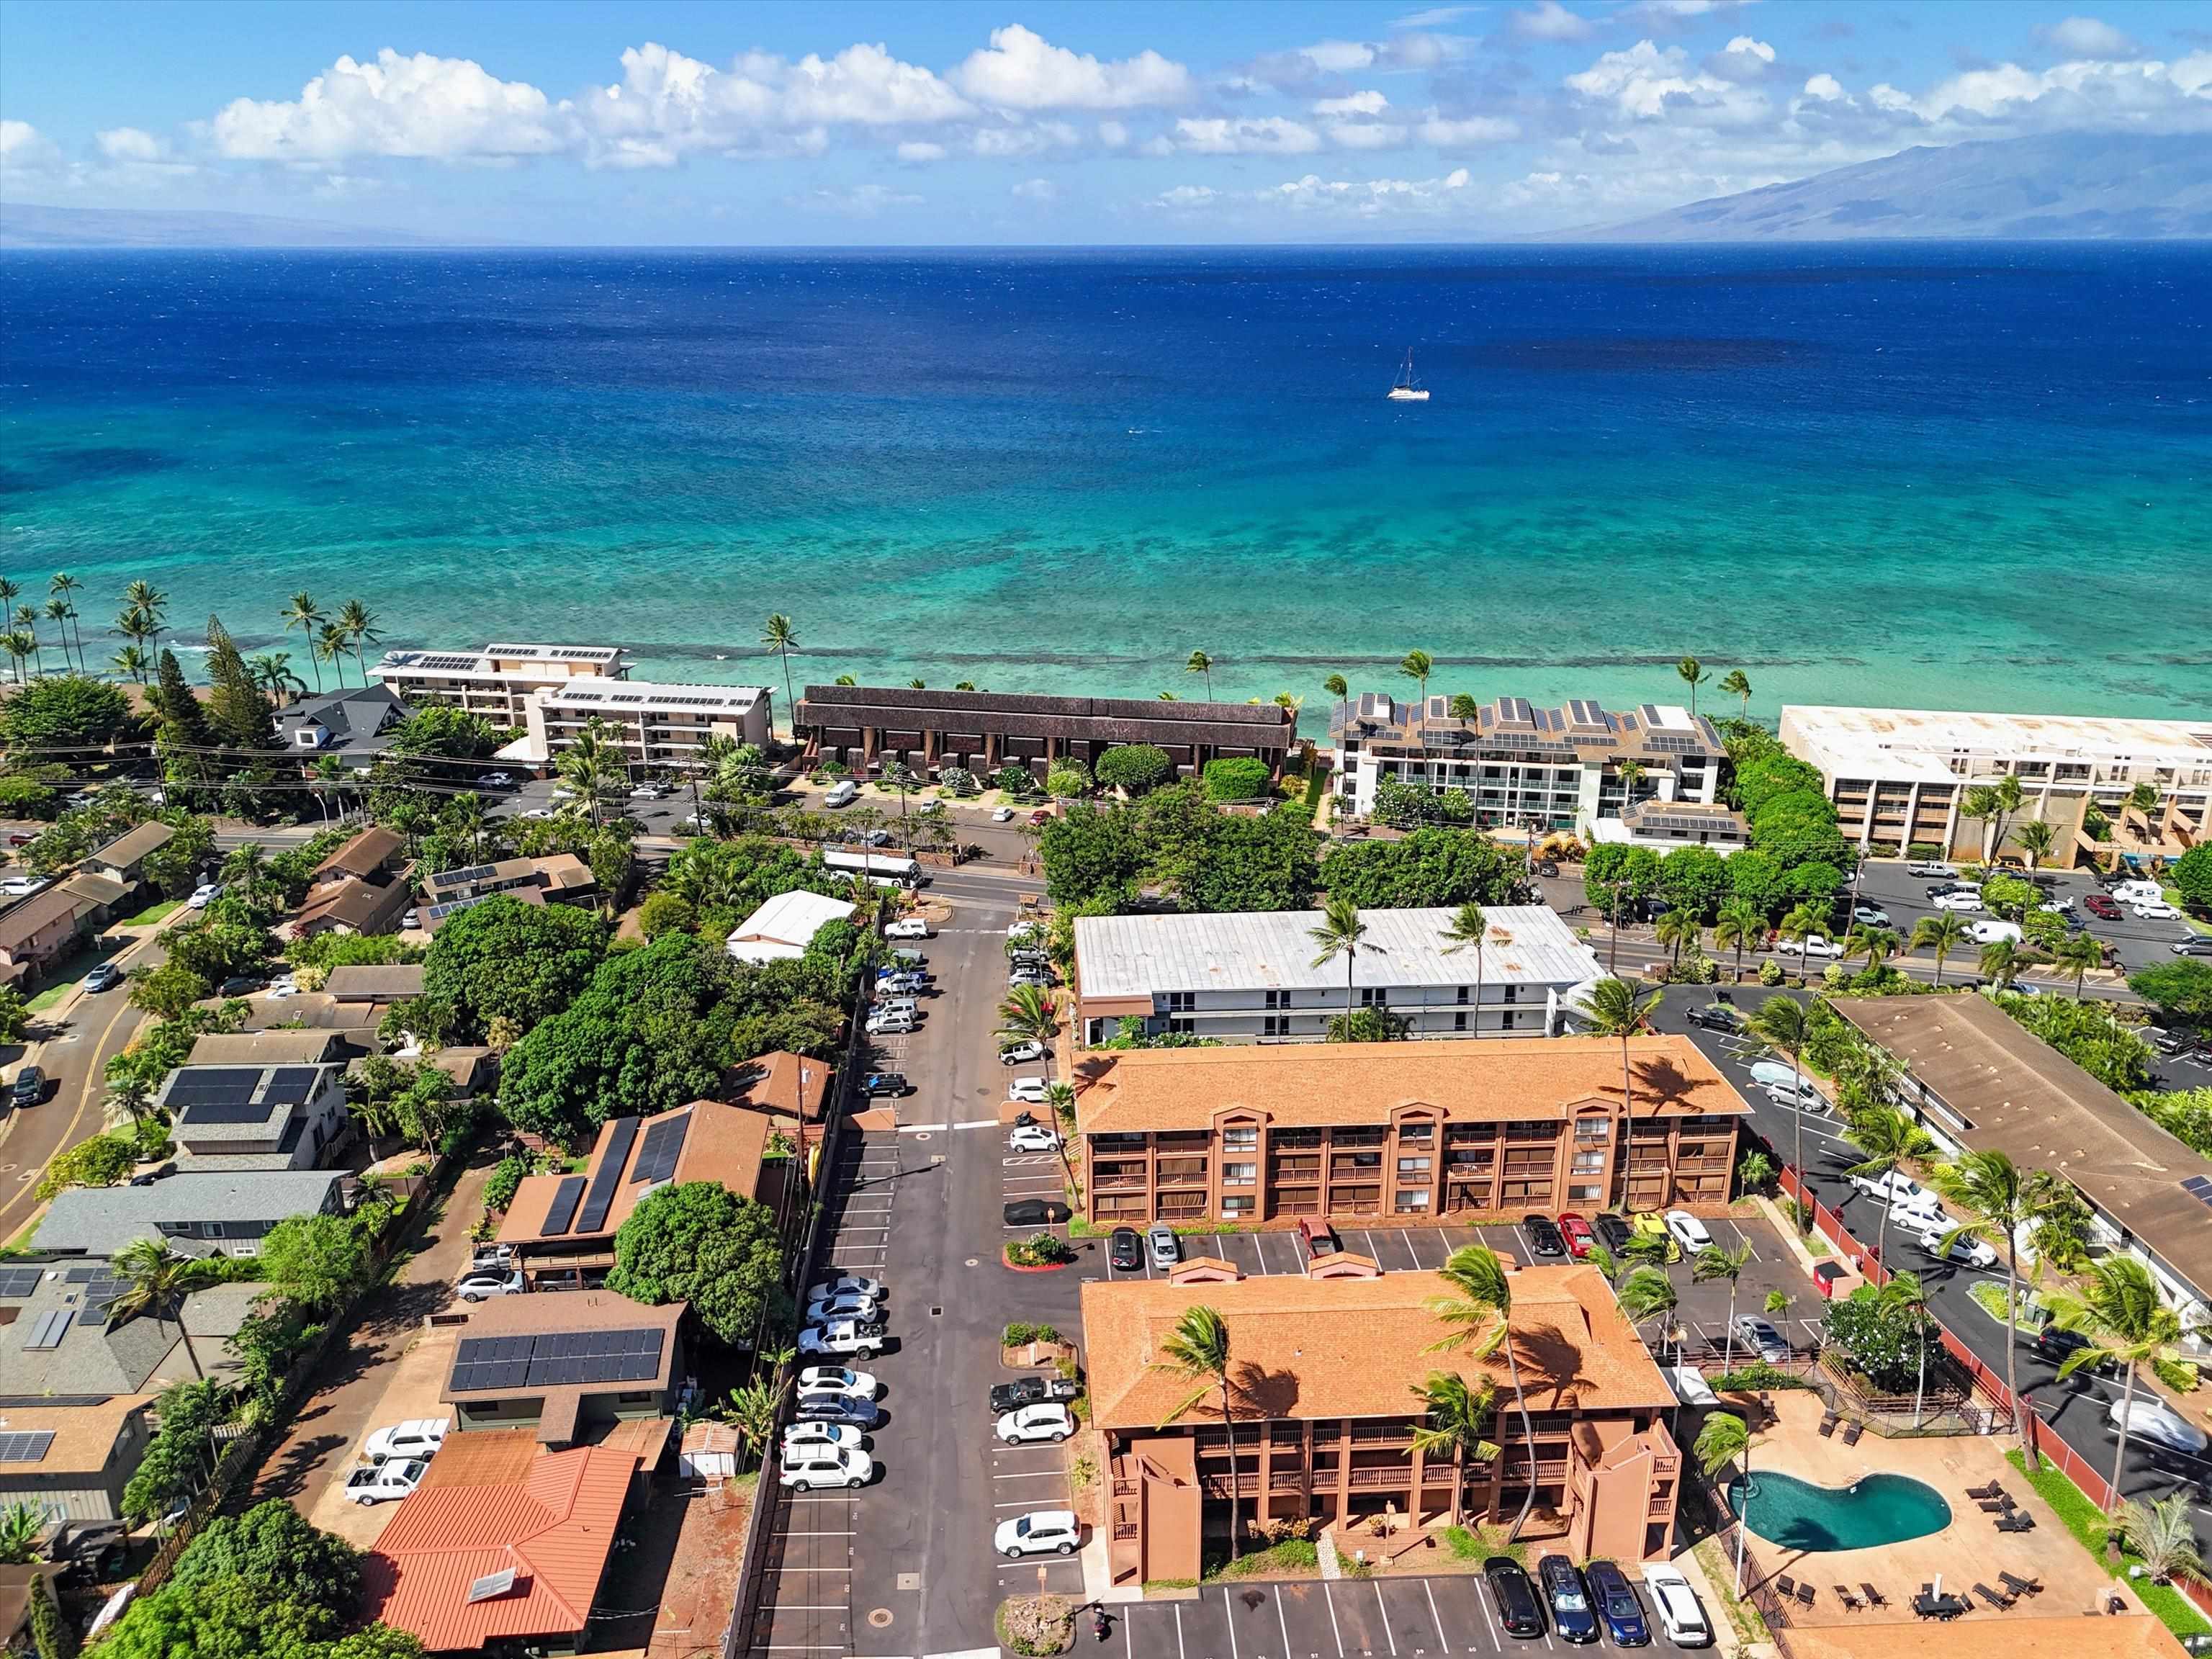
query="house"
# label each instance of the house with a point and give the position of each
(105, 897)
(369, 990)
(357, 888)
(435, 916)
(64, 1347)
(356, 723)
(375, 853)
(42, 930)
(1328, 1370)
(72, 1461)
(863, 725)
(1412, 1131)
(212, 1213)
(561, 1227)
(496, 682)
(565, 1365)
(557, 879)
(502, 1547)
(1253, 976)
(18, 1582)
(256, 1117)
(125, 858)
(785, 926)
(786, 1086)
(307, 1046)
(653, 725)
(1664, 825)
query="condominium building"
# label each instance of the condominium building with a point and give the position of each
(1554, 769)
(655, 725)
(498, 680)
(1416, 1132)
(1898, 778)
(1252, 976)
(1330, 1370)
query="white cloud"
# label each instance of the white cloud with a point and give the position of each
(1029, 140)
(1649, 83)
(864, 85)
(1744, 45)
(1826, 89)
(1036, 190)
(423, 106)
(129, 145)
(1113, 134)
(26, 151)
(2150, 95)
(1445, 134)
(1365, 134)
(1359, 103)
(861, 202)
(1366, 197)
(1433, 17)
(1338, 57)
(919, 150)
(1023, 70)
(1550, 21)
(1269, 135)
(1186, 196)
(2090, 37)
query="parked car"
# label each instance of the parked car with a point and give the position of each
(29, 1087)
(1897, 1191)
(1027, 1424)
(1160, 1246)
(846, 1304)
(1989, 930)
(2151, 1418)
(848, 1285)
(475, 1285)
(1967, 1251)
(419, 1437)
(494, 781)
(908, 928)
(1613, 1232)
(1125, 1250)
(861, 1338)
(1681, 1615)
(394, 1478)
(1042, 815)
(104, 976)
(1544, 1241)
(902, 984)
(1717, 1017)
(204, 894)
(1020, 1054)
(2101, 905)
(1518, 1610)
(1318, 1238)
(1030, 1090)
(2155, 910)
(1032, 1138)
(853, 1411)
(1813, 945)
(885, 1083)
(1002, 815)
(1761, 1338)
(1576, 1232)
(2196, 944)
(1616, 1602)
(1036, 1212)
(22, 887)
(803, 1469)
(1968, 899)
(1869, 915)
(1568, 1597)
(1688, 1231)
(815, 1431)
(1925, 867)
(836, 1380)
(1026, 1391)
(2056, 1344)
(650, 792)
(891, 1022)
(1041, 1532)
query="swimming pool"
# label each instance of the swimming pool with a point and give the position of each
(1875, 1508)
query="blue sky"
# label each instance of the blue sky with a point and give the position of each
(952, 123)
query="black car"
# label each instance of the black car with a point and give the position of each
(1032, 1391)
(1612, 1232)
(2056, 1344)
(1544, 1237)
(838, 1409)
(1125, 1250)
(1716, 1017)
(1036, 1212)
(1518, 1608)
(1616, 1602)
(241, 985)
(1568, 1597)
(30, 1087)
(885, 1083)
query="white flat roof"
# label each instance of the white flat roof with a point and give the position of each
(1944, 732)
(494, 662)
(785, 925)
(1273, 949)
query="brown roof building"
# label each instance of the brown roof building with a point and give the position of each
(1414, 1131)
(375, 851)
(566, 1366)
(125, 857)
(357, 888)
(44, 927)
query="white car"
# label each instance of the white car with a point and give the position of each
(1939, 871)
(23, 886)
(393, 1478)
(1813, 945)
(908, 928)
(1041, 1532)
(1969, 1252)
(1032, 1138)
(1003, 815)
(804, 1467)
(541, 812)
(1989, 932)
(1021, 1053)
(494, 781)
(476, 1284)
(1897, 1191)
(842, 1336)
(1957, 901)
(2061, 906)
(2151, 1418)
(1028, 1424)
(419, 1437)
(1688, 1231)
(649, 792)
(837, 1435)
(204, 894)
(837, 1380)
(890, 1022)
(846, 1284)
(2155, 910)
(847, 1306)
(1029, 1091)
(283, 986)
(1681, 1615)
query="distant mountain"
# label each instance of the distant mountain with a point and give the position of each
(2070, 185)
(26, 226)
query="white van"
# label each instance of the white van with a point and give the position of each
(843, 793)
(2138, 892)
(1987, 932)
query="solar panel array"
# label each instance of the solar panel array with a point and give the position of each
(292, 1085)
(216, 1094)
(24, 1445)
(492, 1585)
(49, 1330)
(601, 1196)
(664, 1144)
(20, 1281)
(483, 1363)
(563, 1209)
(2200, 1188)
(463, 878)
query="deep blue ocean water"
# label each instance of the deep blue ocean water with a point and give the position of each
(1967, 476)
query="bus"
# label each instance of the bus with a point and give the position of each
(877, 867)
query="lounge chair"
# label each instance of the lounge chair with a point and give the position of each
(2016, 1521)
(1828, 1421)
(2019, 1586)
(1874, 1598)
(1995, 1599)
(1852, 1431)
(1785, 1586)
(1851, 1603)
(1804, 1595)
(1995, 1505)
(1993, 1489)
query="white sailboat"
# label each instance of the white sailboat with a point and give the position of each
(1409, 390)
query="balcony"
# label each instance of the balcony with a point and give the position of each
(1370, 1479)
(1103, 1181)
(1165, 1181)
(1382, 1434)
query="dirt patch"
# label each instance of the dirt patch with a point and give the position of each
(701, 1586)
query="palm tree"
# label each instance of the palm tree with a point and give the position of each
(1647, 1296)
(129, 1098)
(1905, 1294)
(1876, 944)
(842, 679)
(1470, 926)
(327, 772)
(1337, 687)
(57, 612)
(1029, 1015)
(1480, 1317)
(1676, 929)
(1197, 1350)
(1723, 1440)
(1694, 674)
(1992, 804)
(1716, 1262)
(272, 672)
(133, 661)
(1614, 1008)
(1199, 663)
(301, 613)
(1341, 934)
(1943, 933)
(23, 1532)
(9, 591)
(2162, 1532)
(2119, 1311)
(2036, 838)
(1738, 684)
(1803, 922)
(898, 778)
(157, 1280)
(1739, 925)
(2078, 953)
(777, 635)
(1631, 773)
(1418, 665)
(151, 604)
(594, 764)
(1458, 1412)
(2002, 959)
(1887, 1137)
(360, 625)
(27, 618)
(1782, 1024)
(17, 644)
(331, 646)
(2003, 1201)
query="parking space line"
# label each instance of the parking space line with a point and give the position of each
(1483, 1601)
(1228, 1613)
(1029, 1474)
(1177, 1606)
(1411, 1251)
(1339, 1634)
(1436, 1618)
(1382, 1610)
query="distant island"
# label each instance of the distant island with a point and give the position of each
(26, 226)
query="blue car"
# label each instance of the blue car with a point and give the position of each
(1568, 1598)
(1616, 1602)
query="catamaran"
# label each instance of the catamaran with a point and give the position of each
(1409, 390)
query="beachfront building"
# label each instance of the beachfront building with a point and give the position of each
(1252, 977)
(861, 727)
(1549, 769)
(1415, 1132)
(498, 680)
(658, 727)
(1898, 778)
(1328, 1369)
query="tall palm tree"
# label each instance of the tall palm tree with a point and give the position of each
(1479, 1316)
(1738, 684)
(1800, 923)
(133, 661)
(1648, 1296)
(2163, 1534)
(157, 1280)
(300, 611)
(1739, 925)
(1724, 1439)
(27, 618)
(129, 1098)
(1992, 804)
(1943, 933)
(57, 611)
(1904, 1293)
(777, 635)
(17, 644)
(2035, 837)
(1337, 687)
(1782, 1024)
(9, 591)
(1716, 1262)
(2003, 1201)
(2078, 953)
(1876, 944)
(272, 672)
(1199, 663)
(1458, 1412)
(22, 1534)
(1694, 674)
(1197, 1350)
(1887, 1137)
(2119, 1311)
(359, 622)
(2002, 959)
(331, 646)
(1418, 665)
(1676, 929)
(1469, 926)
(1028, 1014)
(1341, 934)
(1614, 1008)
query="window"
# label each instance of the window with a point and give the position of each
(1275, 1025)
(1414, 1169)
(1416, 1132)
(1239, 1174)
(1277, 1000)
(1234, 1205)
(1459, 1022)
(1586, 1193)
(1590, 1163)
(1190, 1026)
(1182, 1002)
(1412, 1200)
(1375, 997)
(1594, 1130)
(1241, 1138)
(1463, 995)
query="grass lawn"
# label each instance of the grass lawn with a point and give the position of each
(52, 994)
(2086, 1522)
(1293, 1556)
(152, 914)
(1989, 1295)
(1720, 1570)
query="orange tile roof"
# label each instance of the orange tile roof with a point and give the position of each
(724, 1144)
(1330, 1083)
(491, 1501)
(1311, 1348)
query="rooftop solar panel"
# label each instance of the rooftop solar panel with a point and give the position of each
(556, 1359)
(222, 1109)
(20, 1281)
(563, 1209)
(601, 1195)
(662, 1146)
(292, 1085)
(47, 1333)
(25, 1445)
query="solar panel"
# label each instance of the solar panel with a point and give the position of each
(598, 1200)
(292, 1085)
(47, 1333)
(557, 1359)
(20, 1281)
(2200, 1188)
(492, 1585)
(232, 1109)
(25, 1446)
(213, 1082)
(101, 1292)
(563, 1209)
(93, 1316)
(663, 1145)
(83, 1275)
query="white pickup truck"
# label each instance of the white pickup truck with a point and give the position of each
(395, 1477)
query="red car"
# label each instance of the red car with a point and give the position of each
(2101, 906)
(1041, 816)
(1578, 1235)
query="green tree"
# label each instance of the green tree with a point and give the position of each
(1803, 922)
(1197, 1350)
(1338, 688)
(1943, 933)
(1028, 1014)
(1236, 778)
(1341, 934)
(2077, 953)
(505, 959)
(1738, 684)
(300, 611)
(1993, 804)
(1477, 1316)
(1199, 663)
(1432, 868)
(156, 1279)
(1369, 1025)
(1417, 666)
(1455, 1413)
(697, 1242)
(1136, 768)
(2192, 876)
(100, 1161)
(2182, 988)
(1739, 927)
(1467, 930)
(316, 1262)
(1614, 1008)
(1694, 674)
(2001, 960)
(779, 636)
(1718, 1262)
(1782, 1024)
(1876, 944)
(51, 1636)
(237, 710)
(1678, 930)
(2001, 1202)
(65, 712)
(2118, 1309)
(358, 623)
(1694, 879)
(1722, 1439)
(273, 1546)
(15, 1014)
(23, 1526)
(1648, 1296)
(1886, 1139)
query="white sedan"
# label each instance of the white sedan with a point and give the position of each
(845, 1305)
(837, 1380)
(2155, 910)
(848, 1285)
(1688, 1231)
(1029, 1423)
(1957, 901)
(1042, 1532)
(1032, 1138)
(821, 1434)
(23, 886)
(204, 894)
(475, 1285)
(1002, 815)
(1967, 1251)
(2153, 1419)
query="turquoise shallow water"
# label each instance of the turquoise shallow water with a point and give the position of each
(1973, 477)
(1876, 1509)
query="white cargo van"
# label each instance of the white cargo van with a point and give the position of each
(843, 793)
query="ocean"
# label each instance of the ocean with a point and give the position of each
(1966, 477)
